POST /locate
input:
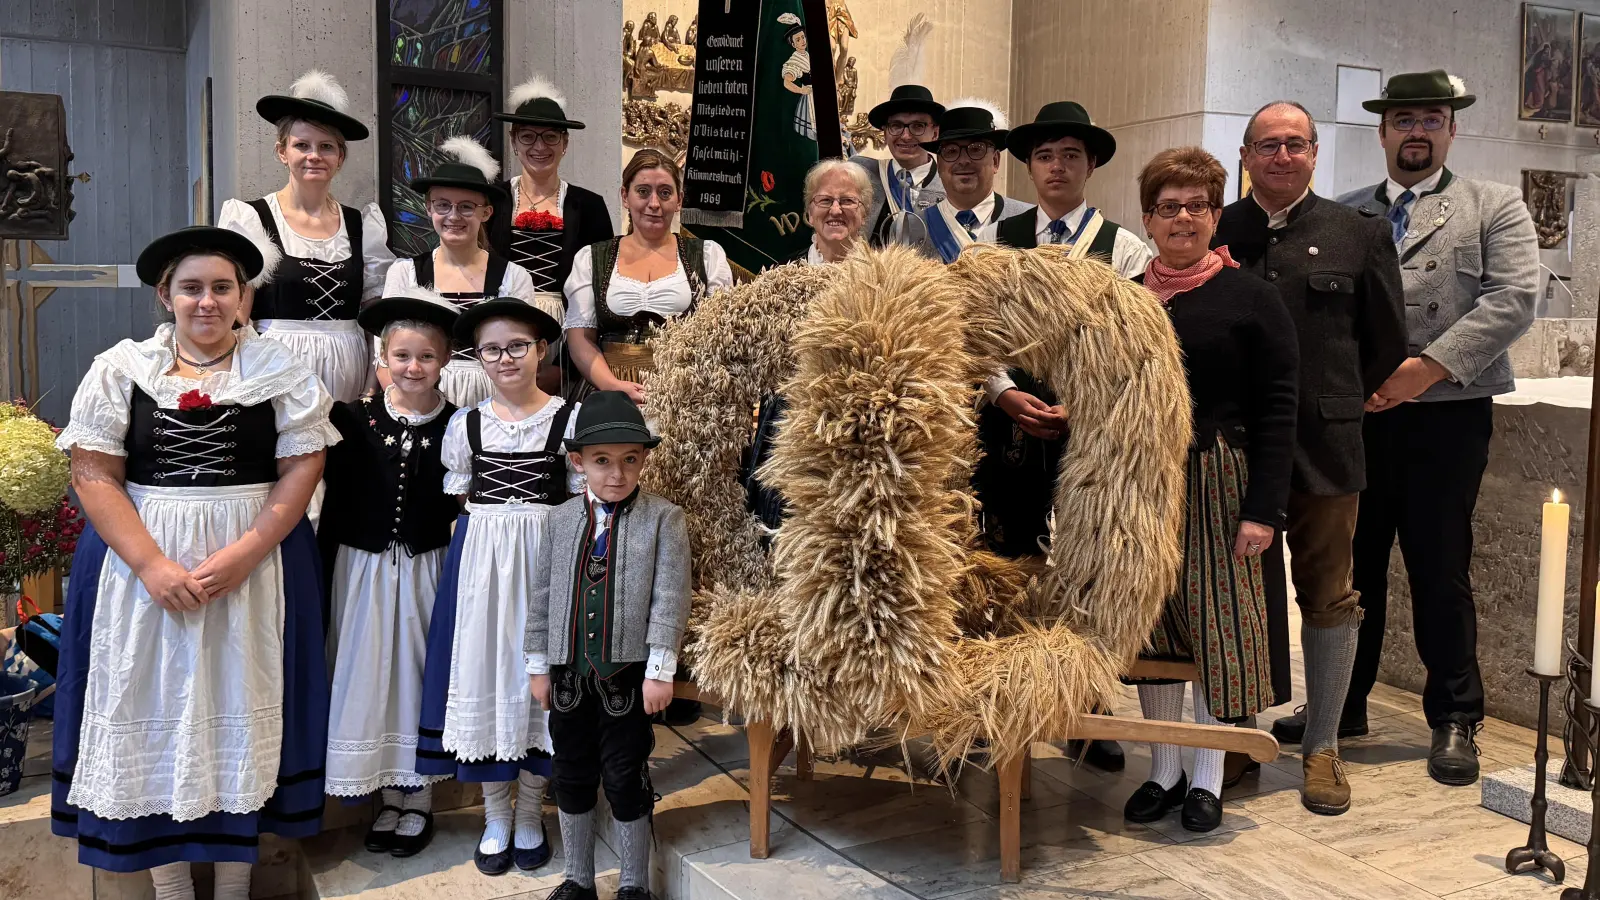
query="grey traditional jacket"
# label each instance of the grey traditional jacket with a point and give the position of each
(651, 599)
(1470, 265)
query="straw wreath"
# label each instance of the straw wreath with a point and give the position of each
(876, 609)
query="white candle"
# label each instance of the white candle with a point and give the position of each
(1594, 671)
(1552, 587)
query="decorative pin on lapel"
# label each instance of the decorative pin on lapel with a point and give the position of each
(426, 443)
(1439, 221)
(1313, 251)
(388, 440)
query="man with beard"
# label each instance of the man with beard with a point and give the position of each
(1470, 263)
(909, 180)
(1337, 273)
(972, 136)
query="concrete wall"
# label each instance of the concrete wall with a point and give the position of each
(1139, 68)
(1259, 50)
(578, 46)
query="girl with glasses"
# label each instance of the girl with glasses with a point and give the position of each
(334, 257)
(548, 220)
(503, 459)
(461, 195)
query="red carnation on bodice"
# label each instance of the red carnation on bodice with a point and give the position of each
(537, 221)
(193, 400)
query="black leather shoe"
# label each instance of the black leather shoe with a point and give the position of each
(410, 845)
(1292, 729)
(382, 841)
(681, 712)
(528, 860)
(571, 890)
(1202, 811)
(1151, 801)
(633, 893)
(1453, 757)
(1103, 755)
(497, 864)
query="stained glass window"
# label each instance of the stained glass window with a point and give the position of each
(448, 35)
(441, 72)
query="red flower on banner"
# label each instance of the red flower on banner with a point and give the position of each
(767, 181)
(193, 400)
(538, 221)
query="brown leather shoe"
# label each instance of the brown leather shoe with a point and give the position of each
(1235, 766)
(1327, 789)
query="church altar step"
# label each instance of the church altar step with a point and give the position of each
(1509, 792)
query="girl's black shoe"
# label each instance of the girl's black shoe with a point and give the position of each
(1202, 811)
(1151, 801)
(528, 860)
(405, 845)
(381, 841)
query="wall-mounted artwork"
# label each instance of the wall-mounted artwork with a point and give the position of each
(1549, 196)
(1547, 63)
(1588, 102)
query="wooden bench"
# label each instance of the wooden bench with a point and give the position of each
(768, 749)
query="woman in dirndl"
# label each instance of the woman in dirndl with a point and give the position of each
(504, 458)
(461, 196)
(797, 76)
(1242, 359)
(548, 220)
(334, 256)
(621, 290)
(384, 566)
(193, 702)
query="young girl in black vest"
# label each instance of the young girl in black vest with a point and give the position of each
(385, 528)
(479, 722)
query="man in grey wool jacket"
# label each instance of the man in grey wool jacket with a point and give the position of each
(1470, 263)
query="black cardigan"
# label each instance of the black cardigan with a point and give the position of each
(1243, 359)
(584, 219)
(377, 496)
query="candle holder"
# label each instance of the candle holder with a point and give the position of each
(1537, 850)
(1591, 880)
(1577, 770)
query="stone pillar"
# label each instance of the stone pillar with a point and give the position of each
(260, 48)
(1586, 240)
(578, 47)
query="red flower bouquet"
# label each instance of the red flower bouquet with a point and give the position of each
(193, 400)
(537, 221)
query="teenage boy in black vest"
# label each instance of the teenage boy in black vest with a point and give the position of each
(1023, 428)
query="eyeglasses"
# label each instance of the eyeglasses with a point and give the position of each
(848, 204)
(952, 153)
(895, 129)
(1295, 146)
(1168, 209)
(491, 353)
(525, 138)
(443, 208)
(1429, 122)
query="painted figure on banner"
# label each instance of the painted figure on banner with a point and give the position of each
(797, 76)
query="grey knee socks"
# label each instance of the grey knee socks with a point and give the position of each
(633, 846)
(1330, 655)
(577, 846)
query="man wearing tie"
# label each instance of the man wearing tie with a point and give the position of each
(1023, 427)
(971, 136)
(1337, 273)
(1469, 261)
(908, 181)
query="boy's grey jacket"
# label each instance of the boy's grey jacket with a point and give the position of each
(651, 597)
(1470, 264)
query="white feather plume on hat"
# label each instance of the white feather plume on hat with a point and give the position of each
(469, 152)
(533, 89)
(905, 66)
(270, 257)
(322, 87)
(1001, 123)
(1458, 88)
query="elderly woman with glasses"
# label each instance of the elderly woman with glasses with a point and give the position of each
(837, 196)
(1242, 359)
(462, 195)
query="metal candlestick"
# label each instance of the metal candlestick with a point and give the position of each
(1591, 880)
(1537, 850)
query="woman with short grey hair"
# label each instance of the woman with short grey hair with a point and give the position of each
(837, 197)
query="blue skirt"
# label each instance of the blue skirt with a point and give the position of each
(295, 809)
(432, 757)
